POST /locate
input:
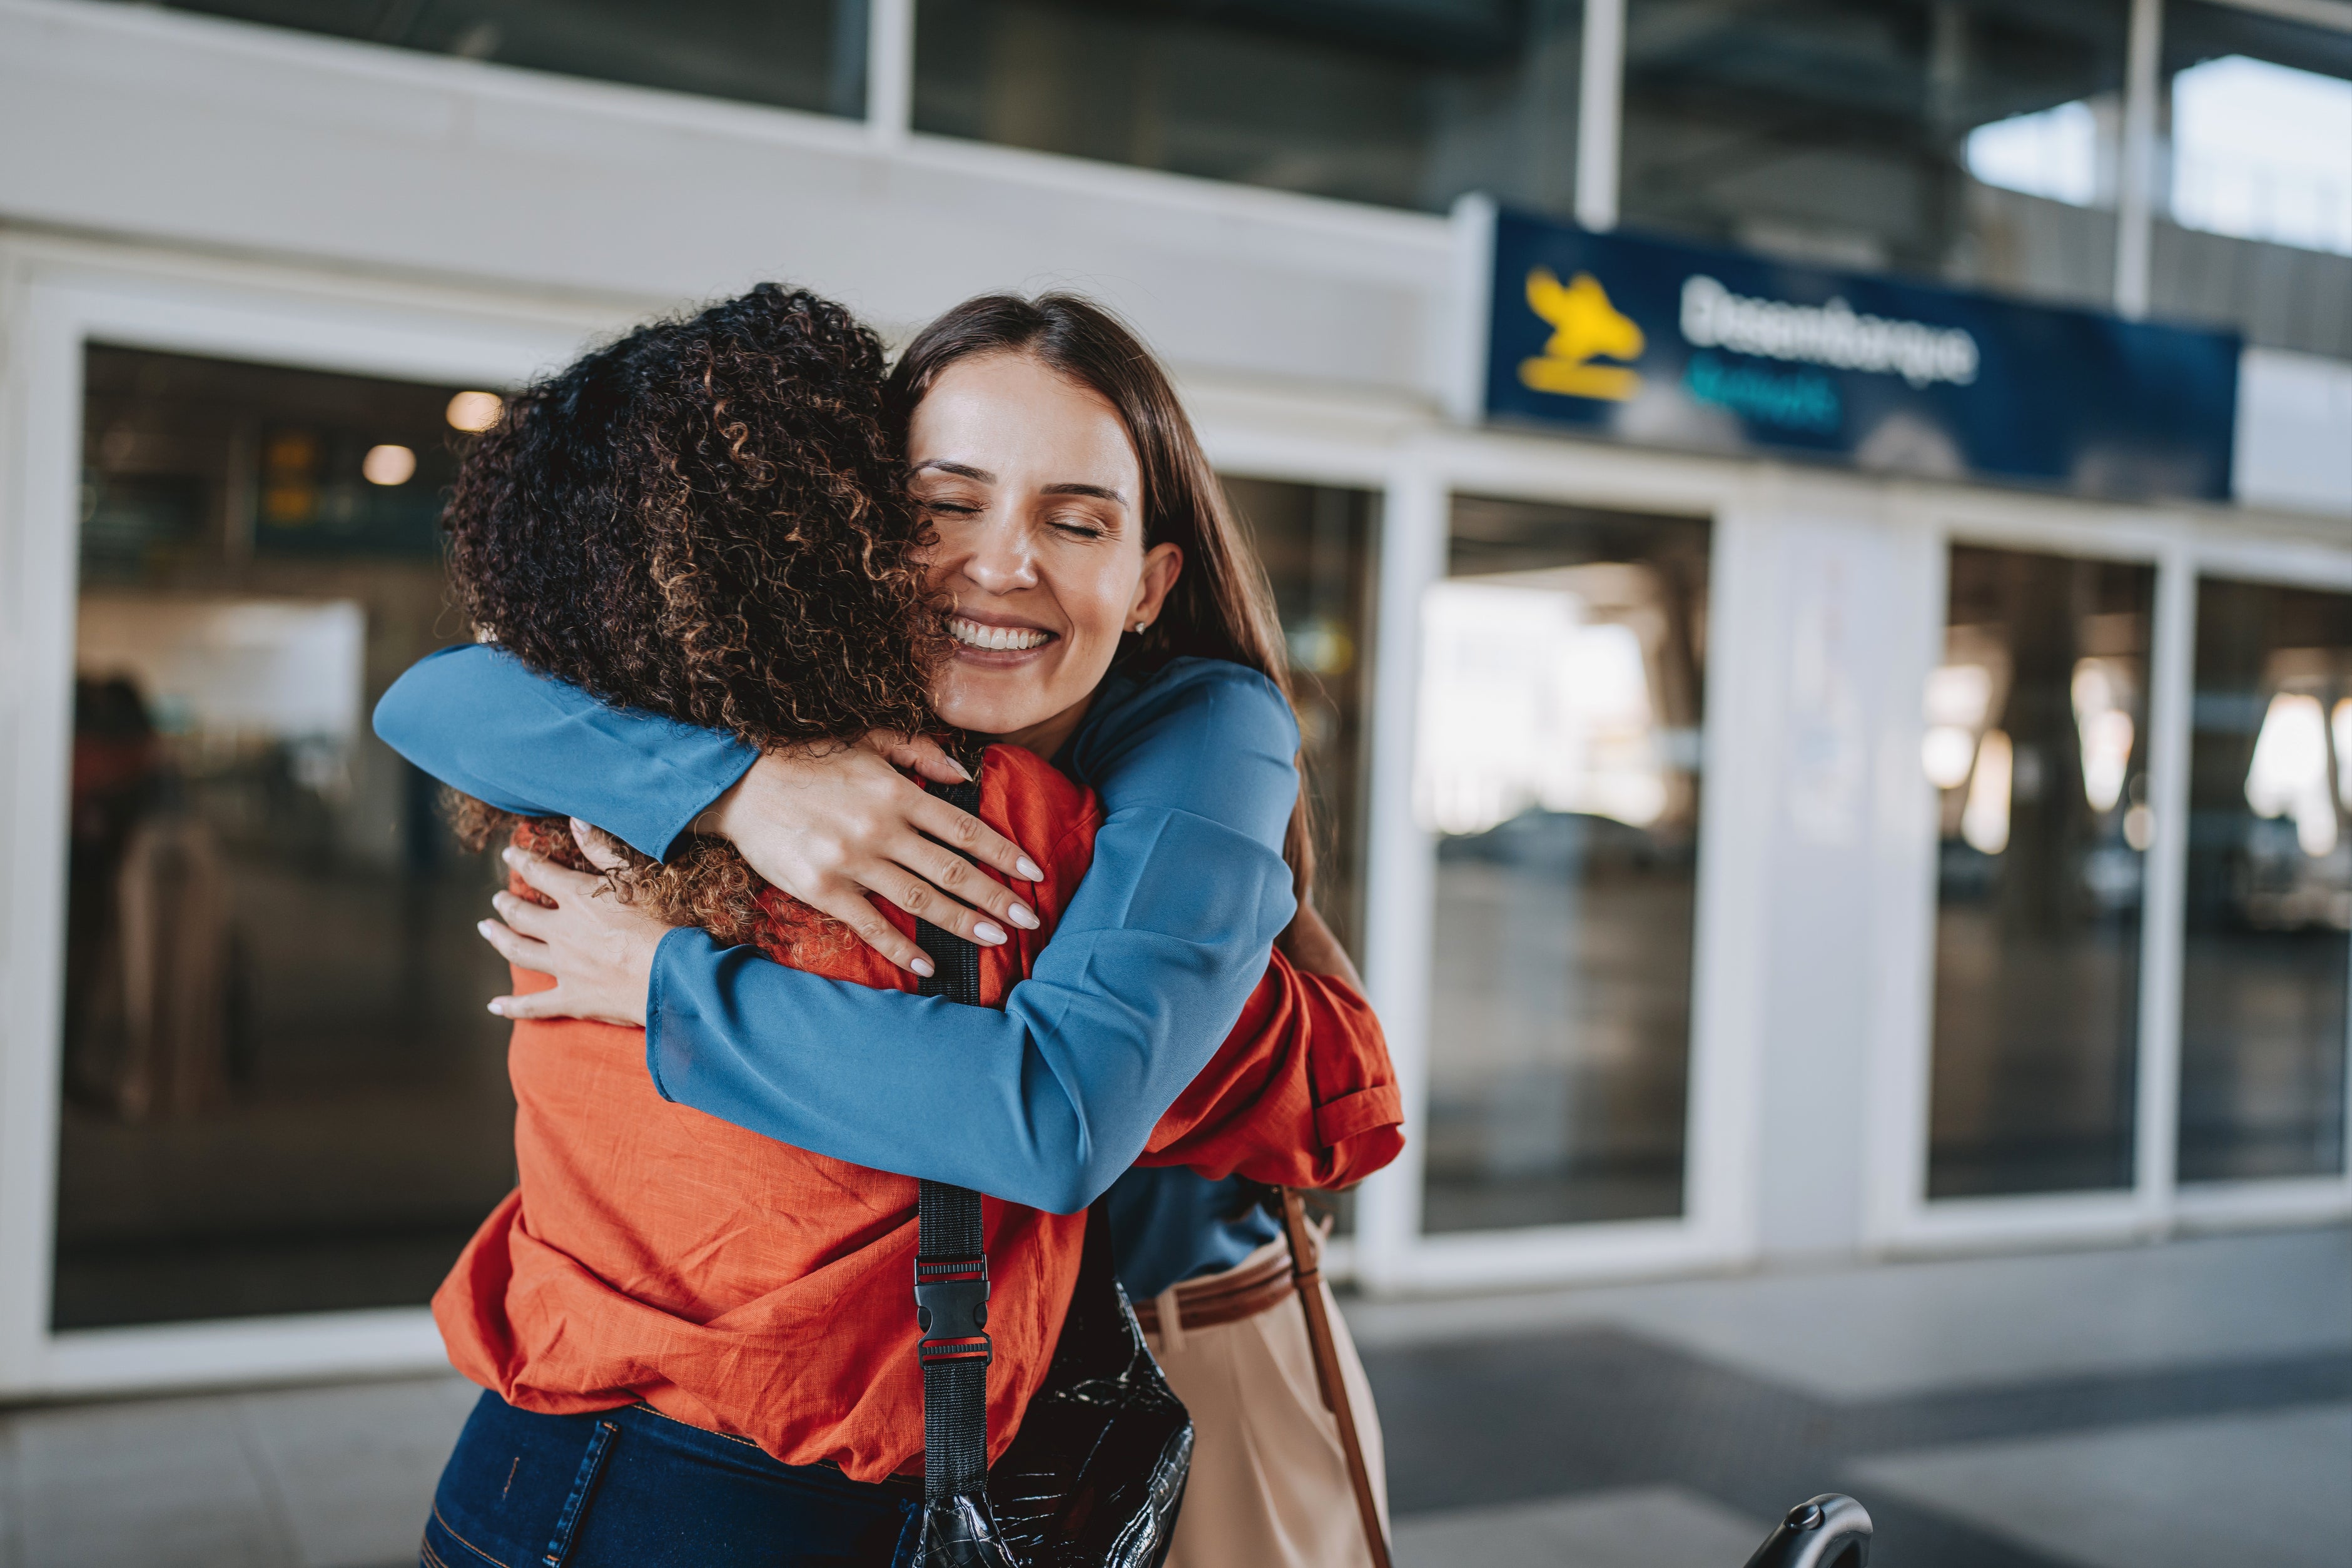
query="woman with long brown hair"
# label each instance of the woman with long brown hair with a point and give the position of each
(1051, 1100)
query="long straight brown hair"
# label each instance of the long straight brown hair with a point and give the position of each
(1222, 607)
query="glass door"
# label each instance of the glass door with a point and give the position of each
(280, 1092)
(1557, 767)
(2037, 744)
(2142, 1003)
(2267, 940)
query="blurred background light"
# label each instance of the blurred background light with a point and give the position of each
(1984, 821)
(475, 411)
(1958, 696)
(2106, 726)
(2052, 153)
(2288, 776)
(1528, 705)
(388, 466)
(1948, 753)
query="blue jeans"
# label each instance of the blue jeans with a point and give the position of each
(632, 1489)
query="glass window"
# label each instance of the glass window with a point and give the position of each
(1317, 541)
(1408, 103)
(794, 54)
(2037, 743)
(2255, 144)
(282, 1092)
(2260, 132)
(1842, 132)
(1558, 766)
(2265, 960)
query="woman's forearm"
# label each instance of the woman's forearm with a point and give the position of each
(481, 721)
(1043, 1104)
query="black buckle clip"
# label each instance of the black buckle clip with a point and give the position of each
(951, 1309)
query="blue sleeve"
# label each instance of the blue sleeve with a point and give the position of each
(1048, 1101)
(480, 721)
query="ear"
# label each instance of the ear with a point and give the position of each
(1162, 564)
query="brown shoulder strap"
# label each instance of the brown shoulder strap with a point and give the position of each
(1306, 1274)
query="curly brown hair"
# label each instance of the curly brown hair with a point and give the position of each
(705, 519)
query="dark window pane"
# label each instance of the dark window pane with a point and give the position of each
(1404, 102)
(282, 1093)
(1317, 541)
(1835, 131)
(794, 54)
(2038, 743)
(1558, 756)
(2269, 885)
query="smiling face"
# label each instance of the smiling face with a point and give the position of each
(1032, 487)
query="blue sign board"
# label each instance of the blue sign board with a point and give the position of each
(1666, 344)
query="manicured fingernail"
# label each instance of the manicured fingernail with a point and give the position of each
(483, 927)
(988, 933)
(1022, 917)
(923, 967)
(499, 1007)
(961, 771)
(1028, 869)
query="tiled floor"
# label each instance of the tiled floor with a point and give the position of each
(2176, 1406)
(2185, 1406)
(311, 1478)
(2269, 1489)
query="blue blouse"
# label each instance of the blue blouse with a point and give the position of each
(1045, 1102)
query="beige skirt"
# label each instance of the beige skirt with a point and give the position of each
(1269, 1486)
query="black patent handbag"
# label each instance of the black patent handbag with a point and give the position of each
(1095, 1476)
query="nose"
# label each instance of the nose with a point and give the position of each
(1002, 560)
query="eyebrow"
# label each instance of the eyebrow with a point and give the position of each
(965, 470)
(1100, 492)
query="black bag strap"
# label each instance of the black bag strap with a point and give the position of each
(952, 1262)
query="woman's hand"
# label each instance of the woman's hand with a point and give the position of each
(600, 950)
(830, 826)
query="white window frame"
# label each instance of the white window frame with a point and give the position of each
(2183, 546)
(55, 298)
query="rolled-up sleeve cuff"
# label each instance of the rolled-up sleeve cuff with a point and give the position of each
(1351, 1114)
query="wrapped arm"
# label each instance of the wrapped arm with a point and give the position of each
(480, 721)
(1046, 1102)
(1302, 1093)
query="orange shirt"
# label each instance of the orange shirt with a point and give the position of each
(654, 1253)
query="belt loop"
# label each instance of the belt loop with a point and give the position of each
(1171, 1320)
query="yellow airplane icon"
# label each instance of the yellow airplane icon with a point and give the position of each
(1584, 325)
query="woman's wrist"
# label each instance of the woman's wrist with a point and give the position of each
(714, 820)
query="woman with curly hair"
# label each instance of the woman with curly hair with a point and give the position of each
(696, 1336)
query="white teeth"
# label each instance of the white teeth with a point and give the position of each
(972, 634)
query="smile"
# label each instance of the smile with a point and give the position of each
(996, 639)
